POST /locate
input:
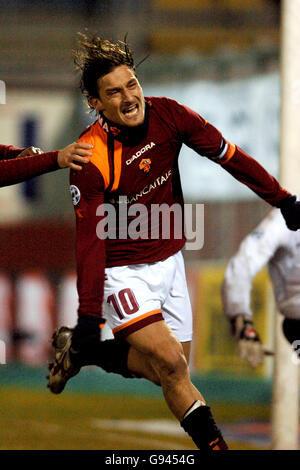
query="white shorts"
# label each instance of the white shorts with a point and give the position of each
(140, 294)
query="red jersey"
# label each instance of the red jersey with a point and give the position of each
(8, 151)
(15, 170)
(137, 168)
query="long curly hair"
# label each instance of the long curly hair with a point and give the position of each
(95, 57)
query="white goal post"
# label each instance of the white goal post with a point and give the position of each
(285, 402)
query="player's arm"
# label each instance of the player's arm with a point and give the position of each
(254, 252)
(206, 140)
(9, 151)
(87, 189)
(16, 170)
(248, 171)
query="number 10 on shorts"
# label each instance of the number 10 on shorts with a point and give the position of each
(124, 303)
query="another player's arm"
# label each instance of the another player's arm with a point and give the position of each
(9, 151)
(16, 170)
(254, 252)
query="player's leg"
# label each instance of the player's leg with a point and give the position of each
(133, 298)
(177, 312)
(111, 355)
(186, 346)
(120, 358)
(165, 353)
(198, 421)
(140, 366)
(132, 292)
(138, 290)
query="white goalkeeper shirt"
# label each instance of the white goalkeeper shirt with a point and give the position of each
(271, 243)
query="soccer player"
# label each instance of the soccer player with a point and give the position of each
(18, 164)
(271, 243)
(136, 280)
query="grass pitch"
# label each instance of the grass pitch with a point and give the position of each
(37, 420)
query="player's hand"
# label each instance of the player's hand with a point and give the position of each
(29, 152)
(74, 154)
(290, 209)
(250, 347)
(87, 329)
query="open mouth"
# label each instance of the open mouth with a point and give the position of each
(131, 110)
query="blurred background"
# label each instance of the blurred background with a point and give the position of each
(221, 58)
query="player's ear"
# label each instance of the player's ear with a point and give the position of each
(95, 103)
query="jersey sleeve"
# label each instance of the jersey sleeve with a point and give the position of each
(255, 251)
(250, 172)
(87, 190)
(17, 170)
(9, 151)
(195, 131)
(208, 141)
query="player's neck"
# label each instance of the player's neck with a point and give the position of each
(125, 134)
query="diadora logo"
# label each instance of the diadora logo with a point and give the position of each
(145, 165)
(140, 152)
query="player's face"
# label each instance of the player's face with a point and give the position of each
(121, 97)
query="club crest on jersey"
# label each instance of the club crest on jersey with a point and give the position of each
(145, 165)
(75, 194)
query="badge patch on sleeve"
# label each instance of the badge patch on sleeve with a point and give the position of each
(75, 194)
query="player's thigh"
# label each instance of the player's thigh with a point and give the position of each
(141, 365)
(159, 344)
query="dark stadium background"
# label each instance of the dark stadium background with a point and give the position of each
(214, 42)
